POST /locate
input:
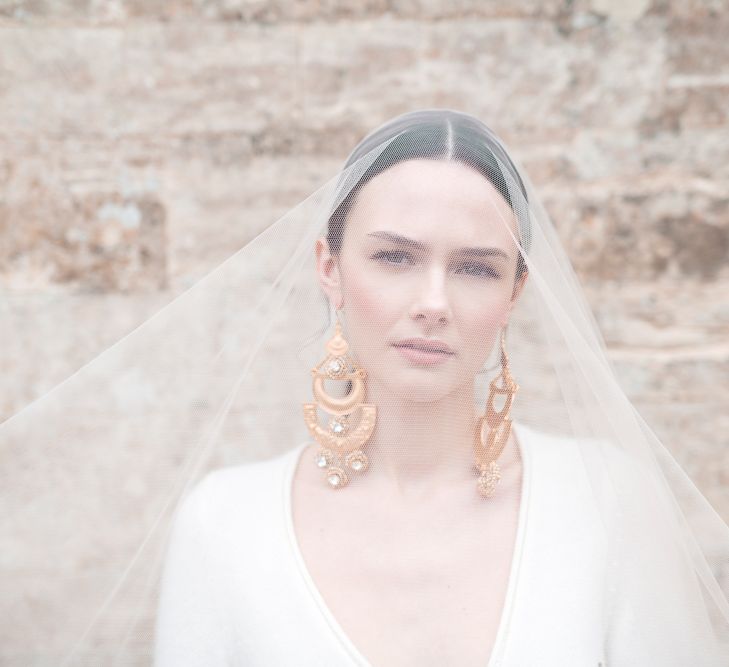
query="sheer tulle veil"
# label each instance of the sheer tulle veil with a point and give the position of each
(94, 470)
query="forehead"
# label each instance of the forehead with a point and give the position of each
(436, 201)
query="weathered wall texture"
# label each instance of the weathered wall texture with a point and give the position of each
(133, 133)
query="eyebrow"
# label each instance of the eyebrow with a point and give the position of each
(419, 245)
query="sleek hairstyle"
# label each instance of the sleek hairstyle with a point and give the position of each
(436, 134)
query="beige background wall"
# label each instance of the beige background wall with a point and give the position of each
(133, 133)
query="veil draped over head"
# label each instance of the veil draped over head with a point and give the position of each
(279, 349)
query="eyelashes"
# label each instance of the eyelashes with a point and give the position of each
(403, 258)
(477, 269)
(393, 256)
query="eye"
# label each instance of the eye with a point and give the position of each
(478, 269)
(394, 256)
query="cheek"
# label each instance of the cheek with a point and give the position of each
(362, 299)
(484, 324)
(370, 302)
(497, 313)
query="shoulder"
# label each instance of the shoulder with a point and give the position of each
(589, 451)
(597, 468)
(234, 493)
(551, 449)
(624, 482)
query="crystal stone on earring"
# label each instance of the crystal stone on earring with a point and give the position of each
(357, 460)
(488, 479)
(336, 367)
(324, 457)
(336, 477)
(338, 426)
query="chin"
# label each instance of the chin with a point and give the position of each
(415, 385)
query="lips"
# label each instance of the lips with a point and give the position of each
(425, 345)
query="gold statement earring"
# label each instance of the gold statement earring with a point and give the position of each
(340, 445)
(488, 448)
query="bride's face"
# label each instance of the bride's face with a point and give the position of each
(426, 260)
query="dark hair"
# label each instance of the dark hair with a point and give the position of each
(434, 134)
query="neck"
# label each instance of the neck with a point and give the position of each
(422, 445)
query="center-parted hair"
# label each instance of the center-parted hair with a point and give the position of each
(444, 135)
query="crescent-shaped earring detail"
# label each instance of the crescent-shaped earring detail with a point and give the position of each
(489, 443)
(340, 447)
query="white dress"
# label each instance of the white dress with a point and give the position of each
(236, 590)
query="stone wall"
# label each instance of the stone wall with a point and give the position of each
(133, 133)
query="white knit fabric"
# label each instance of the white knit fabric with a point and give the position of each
(236, 582)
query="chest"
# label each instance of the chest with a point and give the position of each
(417, 588)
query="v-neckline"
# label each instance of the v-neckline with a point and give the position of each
(516, 560)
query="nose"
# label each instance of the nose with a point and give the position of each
(431, 305)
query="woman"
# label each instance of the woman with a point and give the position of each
(417, 524)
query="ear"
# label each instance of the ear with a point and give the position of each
(518, 287)
(327, 266)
